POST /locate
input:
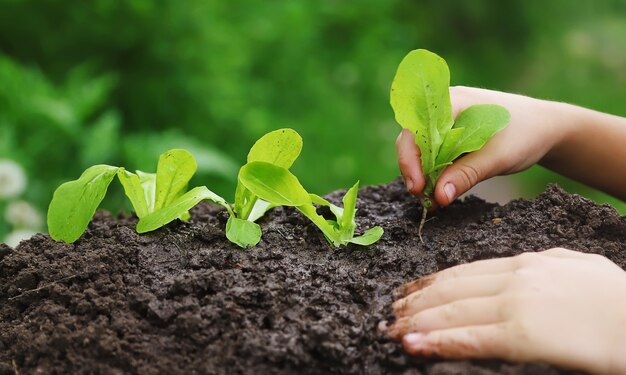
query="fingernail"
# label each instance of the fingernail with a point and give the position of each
(409, 184)
(414, 340)
(450, 191)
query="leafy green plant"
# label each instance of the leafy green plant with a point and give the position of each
(263, 182)
(75, 202)
(280, 147)
(420, 98)
(276, 185)
(161, 198)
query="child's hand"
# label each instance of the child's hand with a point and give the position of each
(531, 134)
(558, 306)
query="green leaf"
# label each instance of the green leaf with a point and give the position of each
(328, 229)
(148, 183)
(336, 210)
(74, 203)
(175, 169)
(472, 129)
(369, 237)
(273, 183)
(347, 224)
(280, 147)
(134, 191)
(242, 232)
(420, 98)
(259, 209)
(178, 207)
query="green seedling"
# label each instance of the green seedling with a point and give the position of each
(264, 182)
(276, 185)
(420, 98)
(74, 203)
(341, 231)
(280, 147)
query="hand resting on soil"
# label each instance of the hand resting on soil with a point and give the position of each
(557, 306)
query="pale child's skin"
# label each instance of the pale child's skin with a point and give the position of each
(557, 306)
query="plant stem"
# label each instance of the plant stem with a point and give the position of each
(426, 204)
(247, 208)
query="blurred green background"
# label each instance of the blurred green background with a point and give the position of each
(120, 81)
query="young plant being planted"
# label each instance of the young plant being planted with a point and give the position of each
(420, 98)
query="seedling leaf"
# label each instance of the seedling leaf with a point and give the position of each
(420, 98)
(178, 207)
(273, 183)
(75, 202)
(242, 232)
(369, 237)
(280, 147)
(134, 191)
(421, 101)
(472, 129)
(340, 232)
(175, 169)
(347, 223)
(148, 183)
(259, 209)
(336, 210)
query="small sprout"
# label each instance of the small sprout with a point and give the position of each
(278, 186)
(420, 97)
(341, 231)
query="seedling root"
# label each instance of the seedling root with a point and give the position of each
(426, 204)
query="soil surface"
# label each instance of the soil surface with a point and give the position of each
(184, 300)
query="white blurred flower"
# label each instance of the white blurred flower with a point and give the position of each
(14, 238)
(22, 214)
(12, 179)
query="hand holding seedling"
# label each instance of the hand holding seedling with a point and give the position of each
(557, 306)
(421, 103)
(574, 141)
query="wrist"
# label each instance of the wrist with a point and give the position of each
(563, 125)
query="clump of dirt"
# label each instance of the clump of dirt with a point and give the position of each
(185, 300)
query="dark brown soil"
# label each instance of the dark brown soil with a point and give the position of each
(184, 300)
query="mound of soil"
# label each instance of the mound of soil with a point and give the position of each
(185, 300)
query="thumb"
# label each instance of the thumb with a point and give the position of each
(464, 174)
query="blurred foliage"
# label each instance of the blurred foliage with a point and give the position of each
(120, 81)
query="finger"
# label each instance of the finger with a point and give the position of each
(558, 252)
(465, 172)
(410, 162)
(446, 291)
(481, 267)
(467, 312)
(485, 341)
